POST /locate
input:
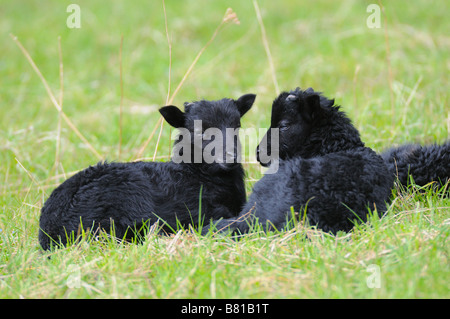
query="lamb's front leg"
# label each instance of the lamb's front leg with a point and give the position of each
(233, 225)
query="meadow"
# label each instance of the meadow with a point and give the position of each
(71, 97)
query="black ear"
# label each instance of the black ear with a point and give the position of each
(173, 115)
(245, 102)
(310, 110)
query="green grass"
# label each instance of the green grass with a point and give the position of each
(325, 45)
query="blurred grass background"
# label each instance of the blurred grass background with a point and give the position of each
(327, 46)
(322, 44)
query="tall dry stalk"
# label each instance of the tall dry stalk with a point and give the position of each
(266, 47)
(388, 62)
(61, 98)
(229, 17)
(121, 98)
(53, 99)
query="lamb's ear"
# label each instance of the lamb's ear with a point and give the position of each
(245, 102)
(310, 110)
(173, 115)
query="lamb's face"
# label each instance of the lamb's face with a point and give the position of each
(293, 116)
(214, 130)
(209, 130)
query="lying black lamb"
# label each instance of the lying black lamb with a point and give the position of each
(324, 170)
(124, 197)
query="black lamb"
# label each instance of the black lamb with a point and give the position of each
(126, 197)
(324, 170)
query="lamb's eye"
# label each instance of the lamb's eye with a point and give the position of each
(283, 126)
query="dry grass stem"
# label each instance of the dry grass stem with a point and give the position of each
(121, 97)
(388, 62)
(33, 179)
(61, 98)
(229, 16)
(266, 47)
(53, 99)
(169, 43)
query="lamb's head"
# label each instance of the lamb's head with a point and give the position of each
(208, 130)
(308, 125)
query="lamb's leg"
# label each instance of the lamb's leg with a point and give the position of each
(235, 225)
